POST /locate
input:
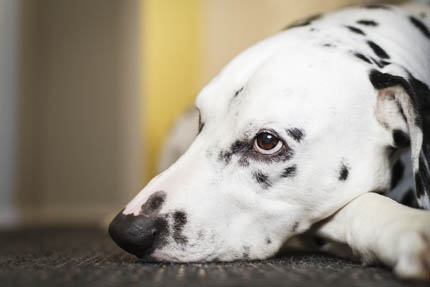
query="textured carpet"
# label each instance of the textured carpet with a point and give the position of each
(87, 257)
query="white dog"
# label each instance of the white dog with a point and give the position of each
(297, 134)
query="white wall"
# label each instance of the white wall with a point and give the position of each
(8, 89)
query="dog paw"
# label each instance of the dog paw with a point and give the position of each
(414, 257)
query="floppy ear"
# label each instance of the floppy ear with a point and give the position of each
(403, 107)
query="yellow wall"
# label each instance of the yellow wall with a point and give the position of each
(170, 64)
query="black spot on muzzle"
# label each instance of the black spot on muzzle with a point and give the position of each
(262, 179)
(153, 204)
(179, 221)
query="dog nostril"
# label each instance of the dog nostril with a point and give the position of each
(154, 232)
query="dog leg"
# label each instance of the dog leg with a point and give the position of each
(379, 229)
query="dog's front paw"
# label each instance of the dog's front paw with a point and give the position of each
(414, 256)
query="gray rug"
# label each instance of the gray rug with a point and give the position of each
(87, 257)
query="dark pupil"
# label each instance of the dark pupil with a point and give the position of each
(267, 141)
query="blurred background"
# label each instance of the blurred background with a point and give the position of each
(89, 89)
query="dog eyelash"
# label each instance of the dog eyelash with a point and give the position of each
(201, 124)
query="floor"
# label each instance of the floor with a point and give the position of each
(86, 256)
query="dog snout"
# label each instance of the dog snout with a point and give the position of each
(140, 234)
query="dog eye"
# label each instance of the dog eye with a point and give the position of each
(267, 143)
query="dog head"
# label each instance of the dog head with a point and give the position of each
(290, 131)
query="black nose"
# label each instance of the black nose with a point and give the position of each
(138, 235)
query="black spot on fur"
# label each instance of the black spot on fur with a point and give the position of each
(397, 173)
(362, 57)
(401, 139)
(381, 80)
(268, 240)
(295, 226)
(420, 26)
(367, 23)
(377, 6)
(356, 30)
(344, 172)
(296, 134)
(179, 221)
(378, 50)
(328, 45)
(289, 171)
(238, 92)
(262, 179)
(304, 22)
(153, 203)
(383, 63)
(380, 63)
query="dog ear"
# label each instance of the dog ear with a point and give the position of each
(403, 107)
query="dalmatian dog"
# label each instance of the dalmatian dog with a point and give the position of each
(299, 133)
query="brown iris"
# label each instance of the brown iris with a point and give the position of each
(266, 141)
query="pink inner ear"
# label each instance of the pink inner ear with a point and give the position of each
(388, 111)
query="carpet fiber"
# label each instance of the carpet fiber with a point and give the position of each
(87, 257)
